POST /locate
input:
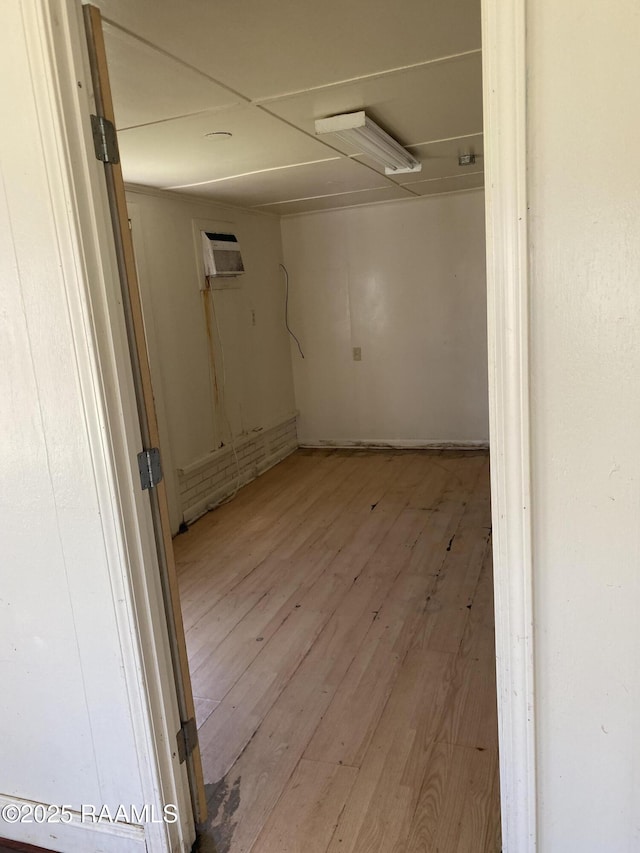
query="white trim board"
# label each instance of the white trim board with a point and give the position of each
(75, 836)
(56, 49)
(504, 81)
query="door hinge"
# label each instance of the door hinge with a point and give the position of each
(105, 140)
(187, 739)
(150, 468)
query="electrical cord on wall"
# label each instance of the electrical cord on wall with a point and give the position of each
(286, 309)
(224, 400)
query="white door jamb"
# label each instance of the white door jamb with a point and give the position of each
(504, 72)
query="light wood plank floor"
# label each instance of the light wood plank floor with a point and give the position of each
(340, 630)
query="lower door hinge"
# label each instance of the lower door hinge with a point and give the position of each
(105, 140)
(150, 468)
(187, 739)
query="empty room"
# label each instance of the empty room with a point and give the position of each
(303, 243)
(314, 314)
(247, 548)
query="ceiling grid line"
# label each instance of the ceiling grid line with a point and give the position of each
(181, 76)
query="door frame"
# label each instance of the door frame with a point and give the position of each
(188, 743)
(505, 127)
(56, 46)
(83, 208)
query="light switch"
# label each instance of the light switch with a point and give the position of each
(357, 354)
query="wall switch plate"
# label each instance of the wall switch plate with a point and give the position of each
(357, 353)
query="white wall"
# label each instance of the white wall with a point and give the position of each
(584, 188)
(75, 710)
(405, 282)
(257, 364)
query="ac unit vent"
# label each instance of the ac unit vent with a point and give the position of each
(221, 254)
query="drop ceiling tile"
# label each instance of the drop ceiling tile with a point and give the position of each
(266, 49)
(436, 101)
(440, 159)
(447, 185)
(150, 86)
(297, 182)
(177, 153)
(392, 193)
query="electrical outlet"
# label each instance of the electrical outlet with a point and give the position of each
(357, 354)
(253, 317)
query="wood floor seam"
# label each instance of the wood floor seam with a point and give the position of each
(349, 635)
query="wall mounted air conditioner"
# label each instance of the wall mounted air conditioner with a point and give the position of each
(221, 254)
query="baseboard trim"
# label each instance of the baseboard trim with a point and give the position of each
(208, 482)
(396, 444)
(76, 836)
(6, 844)
(199, 465)
(214, 499)
(259, 456)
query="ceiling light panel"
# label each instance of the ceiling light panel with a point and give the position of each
(366, 137)
(435, 101)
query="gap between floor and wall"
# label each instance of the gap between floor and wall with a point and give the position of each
(210, 481)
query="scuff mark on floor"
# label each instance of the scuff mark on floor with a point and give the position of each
(223, 802)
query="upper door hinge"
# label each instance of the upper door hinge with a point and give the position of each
(187, 739)
(150, 468)
(105, 140)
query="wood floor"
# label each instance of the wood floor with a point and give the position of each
(340, 631)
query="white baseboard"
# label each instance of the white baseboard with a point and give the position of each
(77, 836)
(401, 443)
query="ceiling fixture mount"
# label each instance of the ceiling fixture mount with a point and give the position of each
(219, 134)
(466, 159)
(363, 133)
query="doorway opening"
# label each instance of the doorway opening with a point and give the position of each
(334, 563)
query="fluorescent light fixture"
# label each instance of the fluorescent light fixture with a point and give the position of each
(359, 130)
